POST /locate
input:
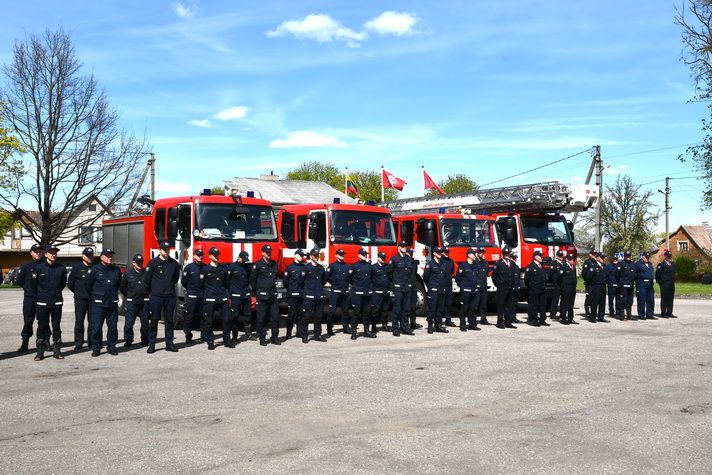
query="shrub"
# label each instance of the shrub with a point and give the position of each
(685, 268)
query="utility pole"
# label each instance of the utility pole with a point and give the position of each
(599, 183)
(667, 211)
(152, 164)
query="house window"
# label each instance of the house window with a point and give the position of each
(92, 207)
(90, 235)
(682, 245)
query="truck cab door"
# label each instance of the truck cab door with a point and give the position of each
(317, 232)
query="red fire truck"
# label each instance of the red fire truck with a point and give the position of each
(336, 226)
(230, 223)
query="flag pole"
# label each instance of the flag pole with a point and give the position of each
(383, 192)
(346, 183)
(422, 177)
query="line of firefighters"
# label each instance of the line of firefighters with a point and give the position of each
(361, 292)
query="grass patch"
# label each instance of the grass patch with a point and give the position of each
(681, 288)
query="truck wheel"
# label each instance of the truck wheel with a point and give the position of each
(122, 305)
(421, 301)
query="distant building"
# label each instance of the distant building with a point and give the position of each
(694, 241)
(286, 192)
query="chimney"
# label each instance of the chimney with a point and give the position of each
(270, 177)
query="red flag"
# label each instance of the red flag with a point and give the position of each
(392, 181)
(429, 183)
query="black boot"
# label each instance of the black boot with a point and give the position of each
(373, 328)
(330, 330)
(347, 329)
(439, 328)
(367, 333)
(384, 327)
(431, 327)
(263, 341)
(414, 325)
(171, 347)
(58, 350)
(25, 346)
(40, 350)
(354, 332)
(275, 341)
(151, 348)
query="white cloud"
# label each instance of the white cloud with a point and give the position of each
(172, 187)
(183, 11)
(232, 113)
(393, 23)
(307, 138)
(205, 123)
(318, 27)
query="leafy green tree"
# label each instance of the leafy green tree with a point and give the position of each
(217, 190)
(6, 223)
(9, 146)
(369, 185)
(457, 183)
(368, 182)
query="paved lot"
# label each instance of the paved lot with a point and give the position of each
(604, 398)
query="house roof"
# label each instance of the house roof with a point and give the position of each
(700, 235)
(281, 192)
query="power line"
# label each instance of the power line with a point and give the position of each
(652, 150)
(538, 168)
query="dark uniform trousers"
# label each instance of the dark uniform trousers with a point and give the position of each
(399, 317)
(338, 300)
(82, 312)
(167, 306)
(100, 314)
(139, 309)
(482, 306)
(469, 304)
(555, 299)
(360, 302)
(667, 294)
(379, 306)
(29, 312)
(436, 305)
(45, 314)
(241, 313)
(210, 308)
(504, 304)
(587, 300)
(295, 313)
(625, 300)
(311, 311)
(598, 301)
(193, 306)
(646, 299)
(537, 304)
(266, 309)
(568, 296)
(612, 298)
(447, 304)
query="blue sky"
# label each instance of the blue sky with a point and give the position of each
(484, 88)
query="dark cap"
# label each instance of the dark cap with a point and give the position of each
(445, 249)
(214, 251)
(382, 255)
(570, 257)
(198, 252)
(402, 244)
(138, 258)
(537, 253)
(51, 248)
(267, 248)
(244, 255)
(108, 252)
(315, 252)
(506, 250)
(559, 253)
(363, 252)
(592, 252)
(299, 252)
(165, 245)
(601, 255)
(627, 254)
(645, 254)
(88, 251)
(614, 257)
(340, 252)
(667, 253)
(37, 248)
(471, 252)
(438, 249)
(480, 250)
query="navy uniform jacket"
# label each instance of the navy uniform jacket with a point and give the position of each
(625, 273)
(611, 274)
(27, 277)
(380, 279)
(503, 274)
(555, 272)
(294, 279)
(162, 276)
(402, 270)
(314, 280)
(665, 273)
(516, 275)
(567, 275)
(449, 267)
(263, 279)
(595, 275)
(466, 277)
(77, 281)
(338, 275)
(191, 280)
(51, 280)
(587, 267)
(214, 279)
(361, 278)
(436, 277)
(104, 282)
(535, 276)
(132, 286)
(239, 280)
(643, 274)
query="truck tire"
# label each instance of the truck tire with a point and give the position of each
(122, 305)
(421, 301)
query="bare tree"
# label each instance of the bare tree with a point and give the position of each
(75, 148)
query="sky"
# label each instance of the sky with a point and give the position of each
(487, 89)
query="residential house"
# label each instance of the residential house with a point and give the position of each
(695, 241)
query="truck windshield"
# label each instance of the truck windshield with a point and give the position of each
(228, 222)
(362, 227)
(467, 232)
(546, 230)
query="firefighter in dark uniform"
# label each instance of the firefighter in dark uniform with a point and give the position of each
(625, 274)
(503, 279)
(612, 285)
(51, 280)
(553, 279)
(361, 295)
(595, 277)
(337, 275)
(413, 293)
(401, 270)
(450, 267)
(239, 290)
(436, 279)
(516, 286)
(263, 280)
(313, 310)
(294, 285)
(190, 280)
(27, 279)
(104, 282)
(133, 289)
(644, 290)
(481, 288)
(567, 279)
(214, 280)
(466, 278)
(665, 277)
(77, 283)
(162, 274)
(381, 297)
(535, 278)
(587, 265)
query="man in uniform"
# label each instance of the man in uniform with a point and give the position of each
(665, 277)
(553, 279)
(644, 290)
(77, 283)
(380, 298)
(401, 271)
(516, 286)
(361, 295)
(625, 274)
(450, 267)
(535, 278)
(294, 285)
(104, 283)
(567, 281)
(338, 275)
(612, 285)
(161, 277)
(51, 280)
(595, 277)
(214, 281)
(436, 279)
(27, 279)
(263, 280)
(481, 287)
(587, 265)
(466, 278)
(413, 293)
(313, 302)
(239, 290)
(133, 288)
(190, 280)
(503, 279)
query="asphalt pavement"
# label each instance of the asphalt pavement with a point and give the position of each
(619, 397)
